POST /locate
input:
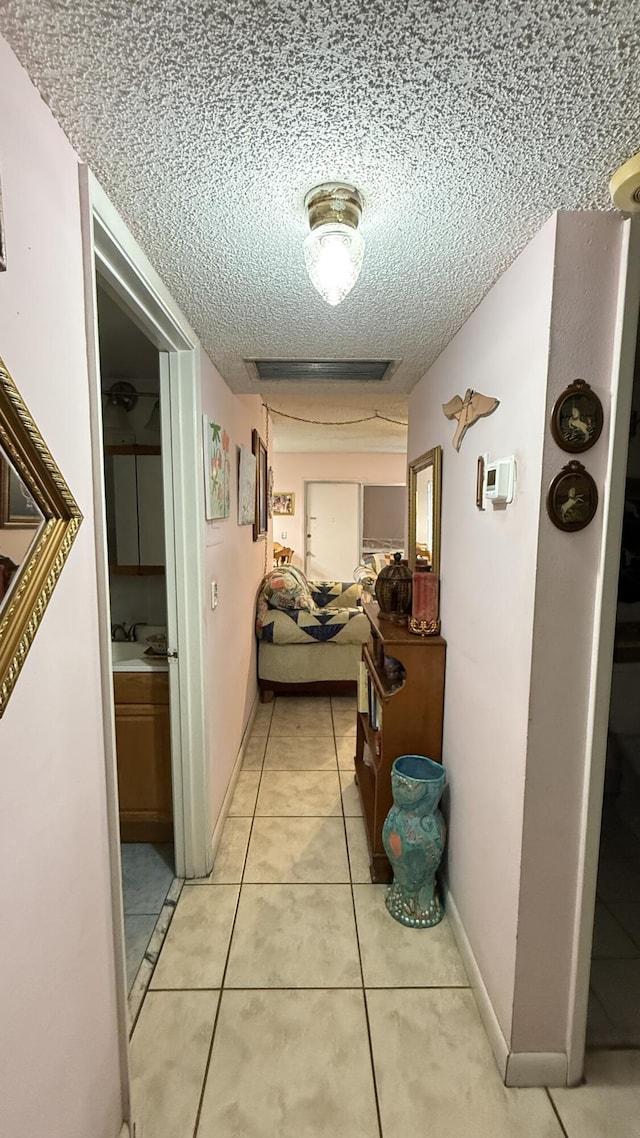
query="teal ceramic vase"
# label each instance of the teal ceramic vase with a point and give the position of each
(413, 836)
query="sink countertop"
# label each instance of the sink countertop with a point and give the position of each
(129, 656)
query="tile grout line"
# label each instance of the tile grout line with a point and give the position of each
(169, 910)
(216, 1018)
(363, 988)
(341, 988)
(554, 1108)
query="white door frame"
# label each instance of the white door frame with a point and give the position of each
(627, 312)
(109, 248)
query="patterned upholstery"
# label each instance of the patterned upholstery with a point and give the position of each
(287, 589)
(292, 611)
(336, 594)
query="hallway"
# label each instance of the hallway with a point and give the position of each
(286, 1001)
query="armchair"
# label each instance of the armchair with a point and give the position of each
(310, 634)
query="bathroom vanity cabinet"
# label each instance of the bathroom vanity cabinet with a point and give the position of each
(135, 510)
(144, 756)
(401, 703)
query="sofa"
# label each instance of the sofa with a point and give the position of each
(310, 634)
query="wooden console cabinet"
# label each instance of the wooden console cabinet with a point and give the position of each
(144, 756)
(402, 688)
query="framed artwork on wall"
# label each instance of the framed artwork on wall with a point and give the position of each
(270, 492)
(262, 482)
(576, 419)
(284, 503)
(573, 498)
(217, 470)
(18, 510)
(246, 487)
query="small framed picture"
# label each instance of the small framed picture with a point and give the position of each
(573, 498)
(246, 487)
(18, 510)
(480, 483)
(284, 503)
(576, 419)
(217, 470)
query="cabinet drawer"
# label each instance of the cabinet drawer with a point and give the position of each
(141, 687)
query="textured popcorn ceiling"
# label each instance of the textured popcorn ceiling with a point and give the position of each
(464, 123)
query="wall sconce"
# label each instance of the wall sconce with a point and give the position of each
(334, 249)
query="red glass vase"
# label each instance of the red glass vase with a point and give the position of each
(425, 604)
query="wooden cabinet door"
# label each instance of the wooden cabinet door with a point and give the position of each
(144, 771)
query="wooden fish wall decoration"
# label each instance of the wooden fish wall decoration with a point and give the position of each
(466, 411)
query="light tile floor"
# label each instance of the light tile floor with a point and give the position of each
(287, 1002)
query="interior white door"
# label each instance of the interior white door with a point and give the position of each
(333, 530)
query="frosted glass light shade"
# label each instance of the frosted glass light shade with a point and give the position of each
(333, 254)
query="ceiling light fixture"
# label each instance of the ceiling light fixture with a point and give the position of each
(624, 186)
(333, 250)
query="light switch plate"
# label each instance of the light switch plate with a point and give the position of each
(214, 594)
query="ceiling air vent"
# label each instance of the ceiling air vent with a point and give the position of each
(314, 371)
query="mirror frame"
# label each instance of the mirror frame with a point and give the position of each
(431, 458)
(38, 576)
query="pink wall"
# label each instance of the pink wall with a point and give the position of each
(517, 612)
(237, 563)
(487, 598)
(582, 330)
(290, 471)
(58, 1043)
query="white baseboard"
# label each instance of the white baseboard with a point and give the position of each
(537, 1069)
(237, 767)
(516, 1068)
(485, 1007)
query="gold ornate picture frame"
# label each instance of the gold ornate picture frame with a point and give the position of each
(424, 489)
(23, 605)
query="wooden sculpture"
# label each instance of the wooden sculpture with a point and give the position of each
(467, 410)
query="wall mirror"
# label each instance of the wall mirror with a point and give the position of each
(39, 520)
(424, 485)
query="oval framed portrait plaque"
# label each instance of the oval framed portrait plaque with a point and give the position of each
(576, 419)
(573, 498)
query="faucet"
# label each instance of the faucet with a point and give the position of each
(115, 629)
(130, 632)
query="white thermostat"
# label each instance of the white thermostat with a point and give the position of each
(499, 480)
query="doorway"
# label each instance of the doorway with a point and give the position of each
(613, 1019)
(384, 518)
(132, 463)
(333, 530)
(110, 251)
